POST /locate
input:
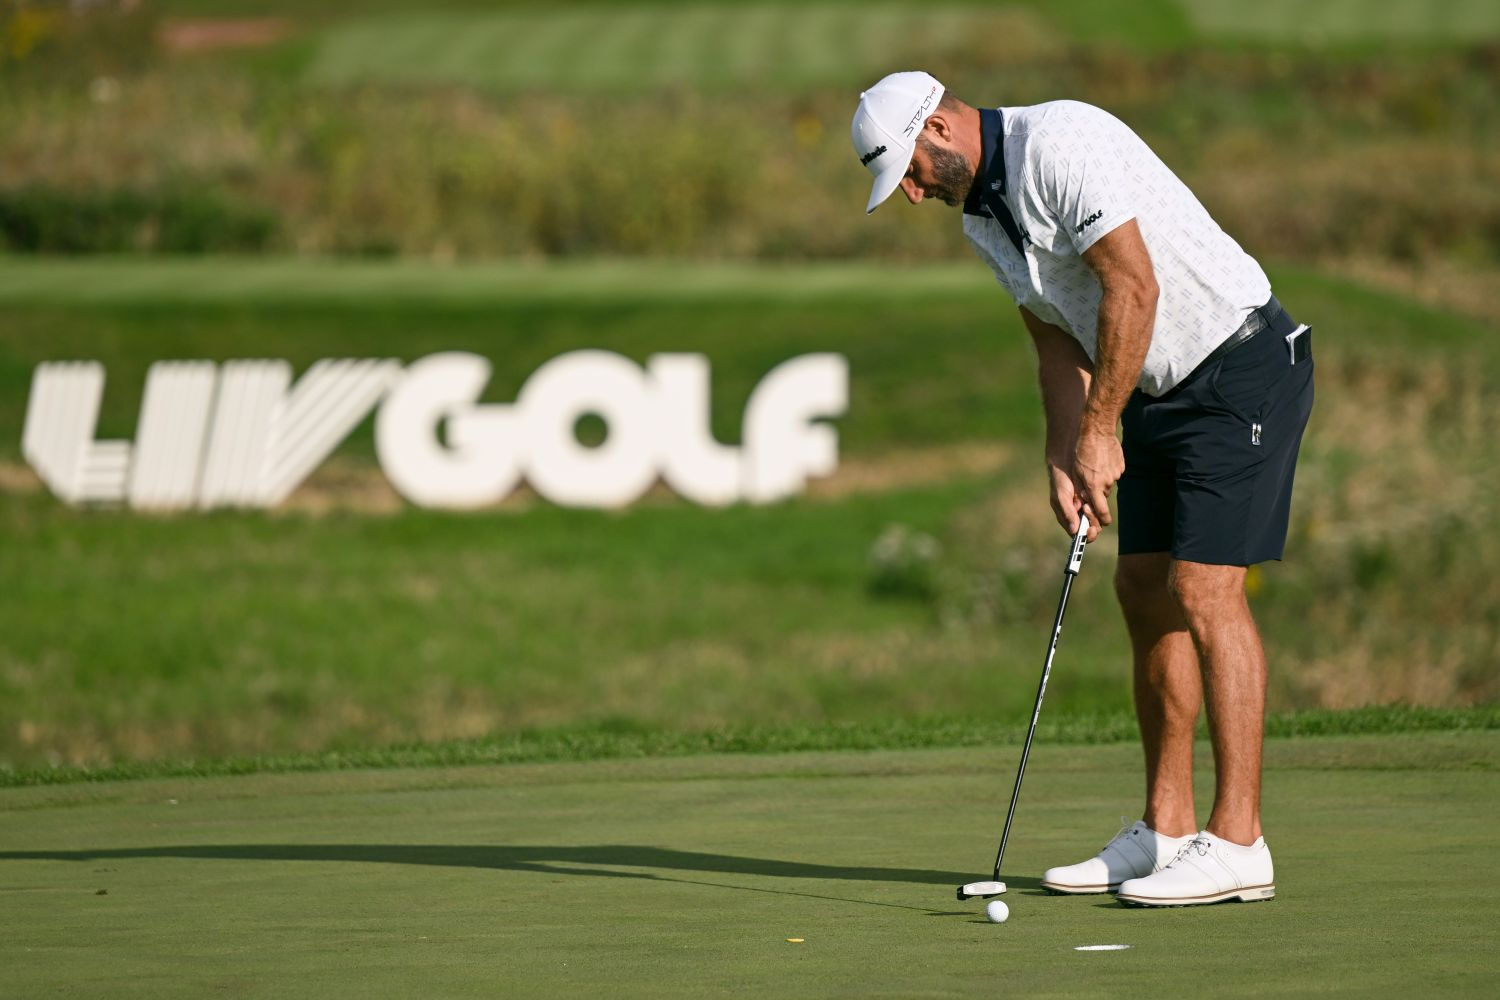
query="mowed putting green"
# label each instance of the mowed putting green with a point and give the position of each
(688, 877)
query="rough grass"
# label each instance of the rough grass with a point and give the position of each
(623, 741)
(384, 135)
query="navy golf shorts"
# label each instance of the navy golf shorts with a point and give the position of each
(1209, 464)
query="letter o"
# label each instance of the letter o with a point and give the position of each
(557, 464)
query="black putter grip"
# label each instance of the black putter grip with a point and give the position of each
(1075, 555)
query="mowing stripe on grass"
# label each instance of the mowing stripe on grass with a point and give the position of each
(635, 47)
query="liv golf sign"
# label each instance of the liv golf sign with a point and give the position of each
(243, 434)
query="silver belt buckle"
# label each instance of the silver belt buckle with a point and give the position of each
(1254, 323)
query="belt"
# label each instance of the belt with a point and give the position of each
(1268, 316)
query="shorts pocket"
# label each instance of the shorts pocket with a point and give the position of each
(1246, 382)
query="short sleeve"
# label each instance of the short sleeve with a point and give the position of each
(1080, 162)
(988, 256)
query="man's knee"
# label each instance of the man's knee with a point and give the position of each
(1142, 583)
(1206, 592)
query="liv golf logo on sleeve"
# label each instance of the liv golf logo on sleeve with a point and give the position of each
(243, 434)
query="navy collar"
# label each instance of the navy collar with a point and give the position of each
(987, 197)
(991, 161)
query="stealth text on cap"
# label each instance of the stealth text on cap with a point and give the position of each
(921, 114)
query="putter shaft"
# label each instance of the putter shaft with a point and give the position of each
(1075, 562)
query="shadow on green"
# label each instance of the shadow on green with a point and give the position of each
(536, 858)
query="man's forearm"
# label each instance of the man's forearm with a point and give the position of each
(1126, 319)
(1063, 373)
(1064, 391)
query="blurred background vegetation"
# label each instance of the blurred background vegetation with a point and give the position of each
(1357, 132)
(237, 178)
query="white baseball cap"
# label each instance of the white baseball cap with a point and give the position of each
(886, 124)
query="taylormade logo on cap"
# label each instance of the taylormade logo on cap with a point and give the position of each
(886, 124)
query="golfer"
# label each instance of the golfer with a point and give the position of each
(1144, 314)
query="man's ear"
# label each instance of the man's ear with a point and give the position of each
(938, 122)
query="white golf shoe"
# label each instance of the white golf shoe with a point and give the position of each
(1136, 850)
(1208, 869)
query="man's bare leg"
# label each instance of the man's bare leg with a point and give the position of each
(1212, 599)
(1168, 689)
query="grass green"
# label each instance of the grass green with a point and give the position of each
(686, 877)
(937, 351)
(945, 360)
(336, 627)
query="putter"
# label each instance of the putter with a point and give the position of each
(984, 890)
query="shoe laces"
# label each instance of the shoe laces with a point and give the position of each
(1198, 845)
(1126, 826)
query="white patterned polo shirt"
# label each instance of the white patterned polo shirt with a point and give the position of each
(1072, 173)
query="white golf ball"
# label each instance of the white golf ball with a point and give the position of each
(997, 911)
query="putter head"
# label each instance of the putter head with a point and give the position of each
(980, 890)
